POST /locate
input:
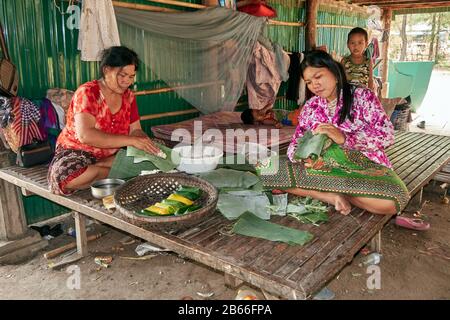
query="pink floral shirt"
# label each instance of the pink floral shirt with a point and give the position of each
(370, 132)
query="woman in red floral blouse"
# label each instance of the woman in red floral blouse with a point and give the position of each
(102, 118)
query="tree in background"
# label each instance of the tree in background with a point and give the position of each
(433, 37)
(437, 46)
(404, 38)
(436, 56)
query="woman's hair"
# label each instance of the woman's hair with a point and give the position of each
(321, 59)
(358, 30)
(247, 116)
(118, 56)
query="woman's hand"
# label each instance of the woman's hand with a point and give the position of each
(331, 131)
(144, 143)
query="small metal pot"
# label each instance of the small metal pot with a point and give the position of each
(105, 187)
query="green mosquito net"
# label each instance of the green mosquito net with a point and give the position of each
(203, 55)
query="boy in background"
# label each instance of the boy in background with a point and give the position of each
(358, 68)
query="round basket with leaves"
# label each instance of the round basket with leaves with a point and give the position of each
(143, 191)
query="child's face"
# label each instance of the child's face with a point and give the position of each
(357, 44)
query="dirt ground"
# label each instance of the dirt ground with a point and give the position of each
(414, 265)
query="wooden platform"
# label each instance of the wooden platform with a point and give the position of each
(292, 272)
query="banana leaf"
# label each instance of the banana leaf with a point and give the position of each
(175, 204)
(243, 193)
(228, 178)
(164, 165)
(233, 206)
(236, 162)
(187, 209)
(193, 190)
(252, 226)
(190, 195)
(123, 167)
(311, 146)
(256, 188)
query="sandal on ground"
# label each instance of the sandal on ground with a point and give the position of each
(409, 223)
(421, 125)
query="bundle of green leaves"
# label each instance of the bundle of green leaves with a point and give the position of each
(311, 146)
(308, 210)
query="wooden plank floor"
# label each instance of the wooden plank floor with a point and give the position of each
(293, 272)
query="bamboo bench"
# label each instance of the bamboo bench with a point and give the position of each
(292, 272)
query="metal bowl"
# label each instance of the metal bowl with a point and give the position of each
(105, 187)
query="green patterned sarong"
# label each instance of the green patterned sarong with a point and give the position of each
(341, 171)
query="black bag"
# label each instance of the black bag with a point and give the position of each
(9, 76)
(34, 153)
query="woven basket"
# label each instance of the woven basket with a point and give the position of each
(143, 191)
(401, 119)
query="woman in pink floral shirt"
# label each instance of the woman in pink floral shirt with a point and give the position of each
(354, 119)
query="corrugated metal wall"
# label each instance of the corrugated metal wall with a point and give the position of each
(44, 49)
(41, 46)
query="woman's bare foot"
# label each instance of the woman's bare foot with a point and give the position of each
(342, 205)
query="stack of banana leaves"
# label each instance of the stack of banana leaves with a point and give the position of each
(179, 202)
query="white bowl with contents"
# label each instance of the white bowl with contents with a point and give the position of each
(196, 159)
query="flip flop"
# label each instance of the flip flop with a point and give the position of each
(414, 224)
(421, 125)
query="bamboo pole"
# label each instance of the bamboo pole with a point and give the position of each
(180, 3)
(188, 111)
(168, 89)
(334, 26)
(144, 7)
(286, 23)
(168, 114)
(387, 17)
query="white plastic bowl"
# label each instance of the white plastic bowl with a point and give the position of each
(196, 160)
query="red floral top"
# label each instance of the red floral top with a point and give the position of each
(88, 98)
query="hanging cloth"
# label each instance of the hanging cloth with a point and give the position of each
(98, 29)
(296, 90)
(263, 78)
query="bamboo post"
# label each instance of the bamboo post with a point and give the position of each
(13, 223)
(311, 23)
(387, 18)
